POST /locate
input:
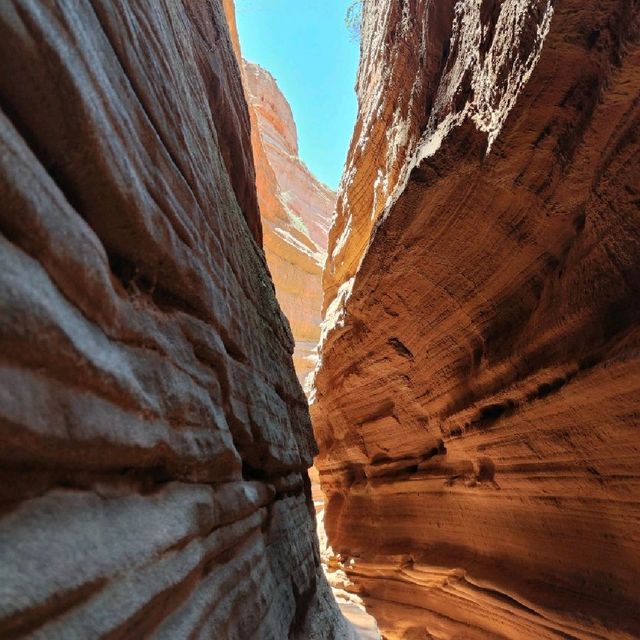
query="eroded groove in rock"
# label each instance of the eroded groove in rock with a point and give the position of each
(154, 438)
(478, 400)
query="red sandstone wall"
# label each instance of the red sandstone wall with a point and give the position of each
(477, 407)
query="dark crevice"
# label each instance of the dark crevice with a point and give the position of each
(17, 626)
(400, 348)
(490, 413)
(253, 473)
(547, 388)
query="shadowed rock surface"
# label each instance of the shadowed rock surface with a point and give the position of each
(154, 439)
(478, 402)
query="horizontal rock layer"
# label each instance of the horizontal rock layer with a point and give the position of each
(478, 404)
(296, 210)
(154, 439)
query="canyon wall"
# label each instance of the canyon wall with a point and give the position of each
(477, 406)
(154, 439)
(296, 211)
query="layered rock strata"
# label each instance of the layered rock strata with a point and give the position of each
(154, 439)
(478, 403)
(296, 212)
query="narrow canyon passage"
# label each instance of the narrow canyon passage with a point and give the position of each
(296, 211)
(205, 352)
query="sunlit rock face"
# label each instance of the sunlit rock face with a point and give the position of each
(296, 211)
(154, 438)
(478, 404)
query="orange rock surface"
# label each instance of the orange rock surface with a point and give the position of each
(477, 406)
(296, 210)
(154, 438)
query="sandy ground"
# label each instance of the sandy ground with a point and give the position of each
(365, 627)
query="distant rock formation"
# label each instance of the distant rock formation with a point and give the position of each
(154, 439)
(296, 213)
(478, 403)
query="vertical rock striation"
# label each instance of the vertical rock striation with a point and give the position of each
(296, 211)
(154, 440)
(477, 406)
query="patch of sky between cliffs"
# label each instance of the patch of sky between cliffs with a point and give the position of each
(307, 47)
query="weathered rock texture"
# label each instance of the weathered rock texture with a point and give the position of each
(478, 403)
(154, 439)
(296, 212)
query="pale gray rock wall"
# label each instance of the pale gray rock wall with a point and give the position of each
(154, 439)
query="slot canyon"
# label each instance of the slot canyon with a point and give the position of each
(235, 404)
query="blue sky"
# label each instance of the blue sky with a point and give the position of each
(307, 47)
